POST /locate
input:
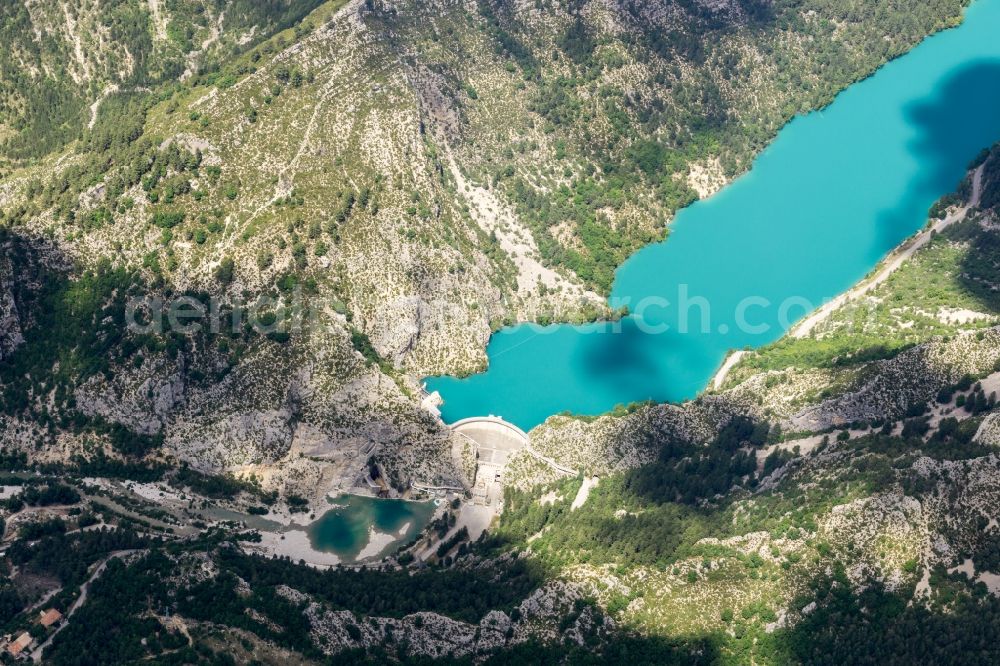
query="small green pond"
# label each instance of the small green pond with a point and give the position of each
(360, 528)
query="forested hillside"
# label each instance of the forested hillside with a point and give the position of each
(419, 173)
(348, 195)
(832, 503)
(62, 57)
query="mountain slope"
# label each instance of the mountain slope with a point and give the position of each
(412, 175)
(63, 57)
(842, 478)
(345, 196)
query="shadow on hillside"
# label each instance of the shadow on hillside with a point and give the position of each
(980, 269)
(632, 650)
(876, 626)
(58, 314)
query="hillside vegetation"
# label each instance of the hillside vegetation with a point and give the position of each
(348, 195)
(420, 173)
(832, 503)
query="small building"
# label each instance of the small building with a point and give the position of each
(49, 617)
(20, 644)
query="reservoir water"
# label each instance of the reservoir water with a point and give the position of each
(360, 528)
(830, 197)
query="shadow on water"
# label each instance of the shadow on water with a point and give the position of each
(951, 124)
(950, 127)
(947, 139)
(822, 206)
(618, 358)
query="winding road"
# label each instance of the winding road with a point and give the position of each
(890, 265)
(36, 654)
(897, 259)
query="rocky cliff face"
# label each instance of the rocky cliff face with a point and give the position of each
(11, 335)
(278, 409)
(418, 173)
(881, 357)
(435, 636)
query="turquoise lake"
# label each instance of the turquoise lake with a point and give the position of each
(822, 205)
(345, 528)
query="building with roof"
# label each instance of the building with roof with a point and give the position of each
(18, 646)
(49, 617)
